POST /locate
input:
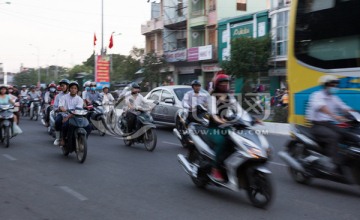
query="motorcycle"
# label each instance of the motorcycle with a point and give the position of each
(76, 140)
(306, 159)
(24, 102)
(35, 109)
(244, 166)
(96, 111)
(6, 123)
(144, 131)
(181, 125)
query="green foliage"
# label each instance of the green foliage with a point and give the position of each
(248, 56)
(26, 78)
(152, 67)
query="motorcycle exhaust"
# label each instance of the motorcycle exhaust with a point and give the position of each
(177, 133)
(291, 161)
(186, 165)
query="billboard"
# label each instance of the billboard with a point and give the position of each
(102, 74)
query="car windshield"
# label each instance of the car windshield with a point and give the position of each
(180, 92)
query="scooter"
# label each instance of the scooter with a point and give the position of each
(181, 125)
(244, 166)
(144, 131)
(6, 124)
(24, 102)
(96, 111)
(306, 158)
(76, 140)
(35, 109)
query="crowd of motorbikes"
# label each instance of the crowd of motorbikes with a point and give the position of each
(245, 165)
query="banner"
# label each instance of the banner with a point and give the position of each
(102, 74)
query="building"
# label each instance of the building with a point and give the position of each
(279, 15)
(252, 25)
(186, 33)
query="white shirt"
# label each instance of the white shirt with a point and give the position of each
(57, 100)
(71, 102)
(137, 101)
(192, 99)
(107, 98)
(24, 93)
(83, 94)
(320, 99)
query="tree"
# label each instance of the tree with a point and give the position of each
(26, 78)
(152, 67)
(249, 56)
(137, 53)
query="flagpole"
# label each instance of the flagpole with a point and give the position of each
(102, 27)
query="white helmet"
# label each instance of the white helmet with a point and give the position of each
(86, 84)
(328, 79)
(92, 83)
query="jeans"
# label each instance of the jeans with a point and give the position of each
(218, 137)
(58, 122)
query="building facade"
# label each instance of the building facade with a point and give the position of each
(279, 15)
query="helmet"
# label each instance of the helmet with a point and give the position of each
(87, 84)
(32, 87)
(64, 81)
(3, 86)
(195, 83)
(134, 85)
(52, 85)
(104, 87)
(327, 79)
(23, 86)
(92, 83)
(10, 87)
(74, 83)
(221, 78)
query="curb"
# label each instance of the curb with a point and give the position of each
(273, 128)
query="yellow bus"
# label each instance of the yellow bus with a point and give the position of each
(324, 38)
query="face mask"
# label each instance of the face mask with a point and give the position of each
(87, 88)
(333, 90)
(92, 88)
(52, 89)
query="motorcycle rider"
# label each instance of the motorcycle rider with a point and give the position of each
(107, 98)
(86, 89)
(92, 95)
(33, 94)
(192, 99)
(133, 103)
(70, 101)
(23, 91)
(220, 103)
(14, 96)
(48, 101)
(323, 112)
(64, 83)
(6, 99)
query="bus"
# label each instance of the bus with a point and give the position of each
(324, 38)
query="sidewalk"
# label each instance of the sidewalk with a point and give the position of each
(274, 128)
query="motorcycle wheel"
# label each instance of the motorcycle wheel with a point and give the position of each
(260, 186)
(297, 176)
(202, 179)
(150, 139)
(81, 148)
(7, 136)
(127, 142)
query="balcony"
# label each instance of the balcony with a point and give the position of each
(152, 26)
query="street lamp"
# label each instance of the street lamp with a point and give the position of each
(38, 61)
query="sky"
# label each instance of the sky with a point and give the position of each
(61, 32)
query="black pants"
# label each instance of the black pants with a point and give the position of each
(192, 117)
(131, 120)
(330, 135)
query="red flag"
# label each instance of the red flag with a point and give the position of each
(111, 42)
(95, 39)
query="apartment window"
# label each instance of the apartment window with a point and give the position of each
(181, 43)
(197, 38)
(212, 5)
(180, 7)
(280, 33)
(241, 5)
(197, 7)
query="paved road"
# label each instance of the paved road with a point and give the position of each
(118, 182)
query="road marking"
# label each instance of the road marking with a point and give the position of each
(171, 143)
(73, 193)
(279, 164)
(9, 157)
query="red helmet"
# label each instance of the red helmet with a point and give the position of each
(221, 77)
(52, 85)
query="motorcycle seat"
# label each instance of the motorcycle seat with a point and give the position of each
(313, 142)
